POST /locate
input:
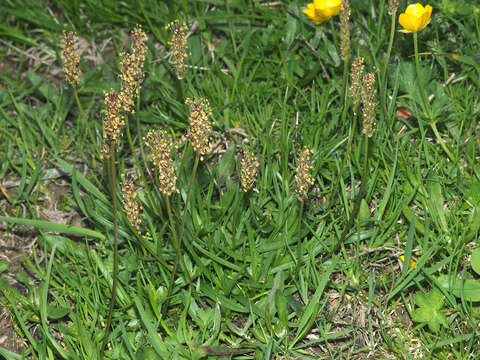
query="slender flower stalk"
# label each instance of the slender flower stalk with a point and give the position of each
(112, 122)
(161, 146)
(392, 10)
(115, 248)
(345, 47)
(198, 134)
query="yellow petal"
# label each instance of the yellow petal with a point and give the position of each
(427, 16)
(415, 9)
(314, 15)
(327, 8)
(406, 21)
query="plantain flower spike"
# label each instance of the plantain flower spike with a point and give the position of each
(393, 6)
(303, 177)
(131, 65)
(200, 128)
(415, 18)
(112, 122)
(161, 146)
(250, 166)
(130, 205)
(369, 104)
(345, 30)
(179, 46)
(71, 58)
(356, 78)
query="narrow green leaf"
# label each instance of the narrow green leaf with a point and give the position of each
(61, 228)
(311, 309)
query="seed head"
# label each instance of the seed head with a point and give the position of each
(249, 170)
(303, 177)
(161, 146)
(112, 121)
(130, 205)
(200, 128)
(345, 30)
(71, 58)
(179, 46)
(356, 78)
(131, 65)
(393, 6)
(369, 104)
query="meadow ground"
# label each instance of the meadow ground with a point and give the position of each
(308, 262)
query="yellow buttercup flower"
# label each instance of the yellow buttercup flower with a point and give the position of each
(327, 8)
(316, 17)
(415, 18)
(412, 264)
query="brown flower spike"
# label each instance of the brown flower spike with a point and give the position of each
(369, 104)
(112, 121)
(249, 170)
(200, 128)
(132, 69)
(179, 47)
(303, 177)
(393, 6)
(71, 58)
(356, 78)
(161, 146)
(131, 207)
(345, 30)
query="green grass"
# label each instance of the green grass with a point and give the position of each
(351, 297)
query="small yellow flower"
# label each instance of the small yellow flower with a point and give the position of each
(412, 264)
(313, 15)
(415, 18)
(327, 8)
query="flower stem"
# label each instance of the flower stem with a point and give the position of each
(177, 257)
(345, 81)
(299, 243)
(383, 84)
(419, 77)
(115, 248)
(184, 215)
(425, 102)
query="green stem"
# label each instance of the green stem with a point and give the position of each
(184, 215)
(383, 84)
(299, 243)
(115, 248)
(419, 77)
(85, 122)
(177, 257)
(140, 141)
(425, 102)
(345, 80)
